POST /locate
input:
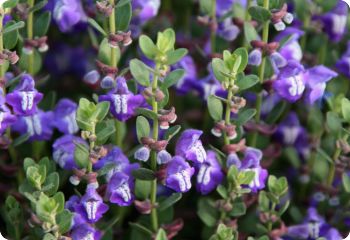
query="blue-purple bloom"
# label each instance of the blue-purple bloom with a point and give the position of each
(209, 174)
(178, 176)
(190, 147)
(334, 22)
(38, 126)
(25, 97)
(63, 151)
(343, 64)
(6, 117)
(251, 162)
(120, 189)
(85, 232)
(184, 85)
(91, 205)
(291, 50)
(64, 116)
(227, 30)
(68, 13)
(143, 154)
(123, 102)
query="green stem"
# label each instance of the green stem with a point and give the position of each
(304, 37)
(265, 38)
(228, 112)
(213, 31)
(91, 147)
(269, 225)
(323, 53)
(119, 133)
(336, 155)
(154, 216)
(30, 37)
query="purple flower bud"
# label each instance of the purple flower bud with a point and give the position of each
(233, 159)
(91, 77)
(119, 189)
(107, 82)
(209, 174)
(255, 57)
(163, 157)
(64, 116)
(179, 174)
(146, 9)
(227, 30)
(278, 59)
(190, 147)
(68, 13)
(6, 117)
(142, 154)
(63, 151)
(91, 205)
(25, 97)
(38, 126)
(288, 18)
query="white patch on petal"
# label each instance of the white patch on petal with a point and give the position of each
(2, 116)
(124, 103)
(124, 192)
(290, 134)
(184, 180)
(339, 23)
(197, 147)
(117, 103)
(91, 209)
(256, 180)
(71, 123)
(27, 100)
(297, 86)
(314, 229)
(204, 174)
(33, 125)
(88, 236)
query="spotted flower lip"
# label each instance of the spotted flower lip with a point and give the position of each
(179, 173)
(209, 174)
(25, 98)
(64, 116)
(120, 189)
(190, 147)
(63, 151)
(39, 125)
(85, 232)
(91, 205)
(123, 102)
(6, 117)
(68, 13)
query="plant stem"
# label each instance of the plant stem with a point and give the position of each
(30, 37)
(213, 30)
(91, 148)
(265, 38)
(228, 112)
(154, 216)
(336, 155)
(269, 225)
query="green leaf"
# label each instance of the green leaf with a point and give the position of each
(218, 66)
(13, 27)
(346, 182)
(141, 228)
(28, 162)
(59, 199)
(324, 155)
(10, 38)
(142, 189)
(242, 52)
(142, 127)
(246, 177)
(245, 115)
(173, 77)
(175, 197)
(246, 82)
(283, 208)
(104, 130)
(171, 132)
(176, 55)
(42, 23)
(144, 174)
(238, 208)
(207, 212)
(38, 6)
(122, 3)
(81, 155)
(123, 15)
(64, 221)
(10, 4)
(206, 6)
(345, 107)
(51, 184)
(104, 52)
(49, 236)
(264, 203)
(147, 113)
(222, 191)
(97, 26)
(101, 111)
(334, 123)
(215, 108)
(276, 112)
(24, 58)
(161, 235)
(250, 33)
(140, 72)
(46, 208)
(148, 47)
(259, 14)
(166, 40)
(21, 139)
(165, 100)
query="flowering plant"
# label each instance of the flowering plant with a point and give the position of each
(147, 119)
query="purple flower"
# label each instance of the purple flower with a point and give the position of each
(190, 147)
(250, 162)
(343, 64)
(120, 189)
(184, 85)
(85, 232)
(25, 97)
(68, 13)
(227, 30)
(291, 50)
(209, 174)
(38, 126)
(145, 9)
(178, 176)
(223, 6)
(119, 161)
(314, 227)
(123, 102)
(334, 22)
(63, 151)
(64, 116)
(71, 205)
(6, 117)
(277, 60)
(91, 205)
